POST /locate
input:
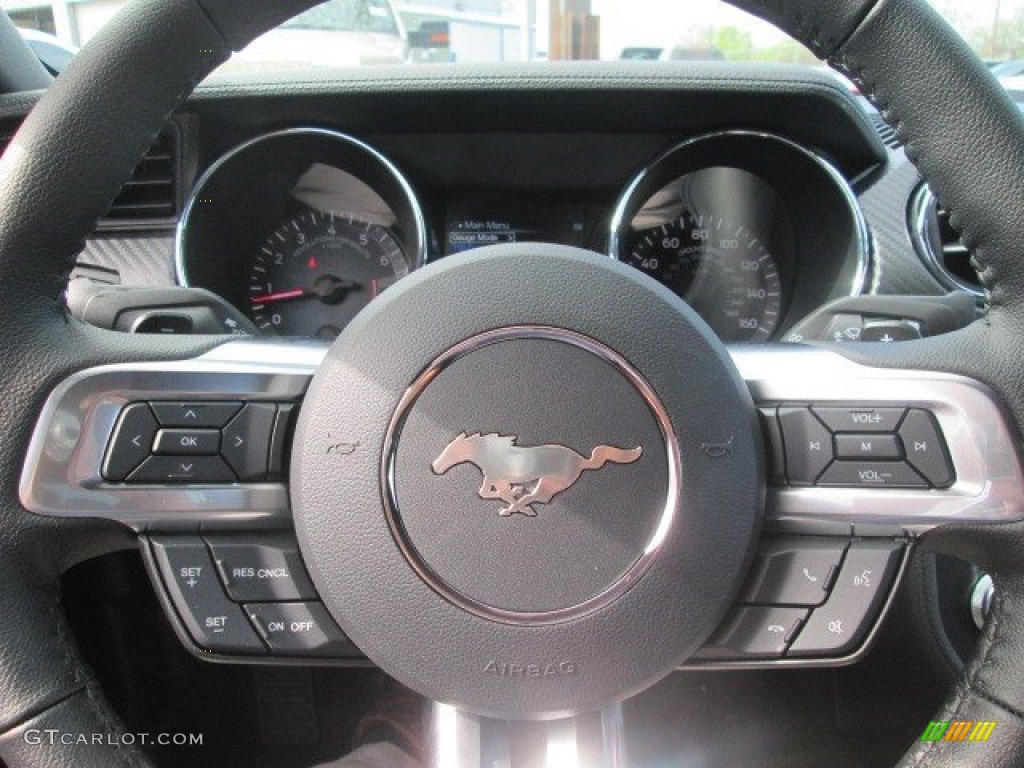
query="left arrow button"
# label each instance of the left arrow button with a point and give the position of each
(130, 443)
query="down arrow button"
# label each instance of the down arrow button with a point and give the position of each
(246, 441)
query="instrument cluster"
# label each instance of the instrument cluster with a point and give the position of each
(302, 228)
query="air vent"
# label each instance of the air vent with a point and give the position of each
(151, 195)
(886, 132)
(939, 246)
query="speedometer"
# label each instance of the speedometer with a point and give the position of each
(721, 269)
(314, 274)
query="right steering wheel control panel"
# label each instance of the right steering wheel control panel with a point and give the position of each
(859, 462)
(857, 446)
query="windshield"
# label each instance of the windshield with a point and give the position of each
(366, 32)
(342, 16)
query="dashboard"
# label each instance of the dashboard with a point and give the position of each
(757, 194)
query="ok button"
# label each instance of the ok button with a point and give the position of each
(187, 442)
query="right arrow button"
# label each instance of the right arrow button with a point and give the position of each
(246, 441)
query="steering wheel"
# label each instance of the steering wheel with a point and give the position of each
(467, 620)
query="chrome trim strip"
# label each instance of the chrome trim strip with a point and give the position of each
(420, 255)
(61, 473)
(863, 233)
(922, 204)
(644, 561)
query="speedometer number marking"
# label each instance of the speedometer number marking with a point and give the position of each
(727, 275)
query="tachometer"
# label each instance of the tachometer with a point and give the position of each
(722, 270)
(314, 274)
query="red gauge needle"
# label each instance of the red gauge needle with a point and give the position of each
(270, 298)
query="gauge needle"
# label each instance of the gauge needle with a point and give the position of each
(270, 298)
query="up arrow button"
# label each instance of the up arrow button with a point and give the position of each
(208, 415)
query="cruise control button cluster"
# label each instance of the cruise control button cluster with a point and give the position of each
(247, 594)
(808, 597)
(860, 446)
(170, 443)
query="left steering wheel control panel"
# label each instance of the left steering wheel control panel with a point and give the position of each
(194, 456)
(198, 442)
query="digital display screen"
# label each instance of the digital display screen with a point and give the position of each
(470, 226)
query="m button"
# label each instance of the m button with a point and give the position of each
(884, 447)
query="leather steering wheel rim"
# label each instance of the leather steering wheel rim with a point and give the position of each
(99, 117)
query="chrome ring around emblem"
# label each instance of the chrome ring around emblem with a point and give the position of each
(644, 561)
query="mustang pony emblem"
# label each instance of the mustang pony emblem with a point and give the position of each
(522, 476)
